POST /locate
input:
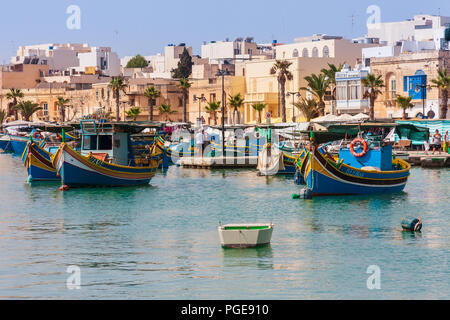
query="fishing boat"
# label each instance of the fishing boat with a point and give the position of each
(106, 157)
(364, 167)
(39, 164)
(5, 144)
(245, 235)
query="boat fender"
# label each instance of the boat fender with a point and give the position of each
(305, 194)
(365, 147)
(412, 224)
(64, 188)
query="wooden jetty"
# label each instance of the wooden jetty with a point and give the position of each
(218, 162)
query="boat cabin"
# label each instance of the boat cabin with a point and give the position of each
(377, 156)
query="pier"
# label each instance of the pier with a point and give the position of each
(419, 158)
(219, 162)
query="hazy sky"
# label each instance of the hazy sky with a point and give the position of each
(145, 27)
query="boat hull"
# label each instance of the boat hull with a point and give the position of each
(5, 145)
(241, 237)
(79, 171)
(326, 178)
(39, 164)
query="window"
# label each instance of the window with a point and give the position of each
(355, 90)
(104, 142)
(295, 53)
(96, 94)
(89, 142)
(341, 90)
(45, 108)
(315, 52)
(305, 53)
(326, 52)
(393, 89)
(212, 97)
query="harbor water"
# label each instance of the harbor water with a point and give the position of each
(161, 241)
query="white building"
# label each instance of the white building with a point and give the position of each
(422, 28)
(350, 91)
(70, 58)
(231, 51)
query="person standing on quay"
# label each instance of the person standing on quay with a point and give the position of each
(437, 137)
(446, 142)
(199, 140)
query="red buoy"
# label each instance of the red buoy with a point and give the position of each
(64, 188)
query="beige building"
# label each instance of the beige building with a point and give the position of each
(211, 90)
(404, 75)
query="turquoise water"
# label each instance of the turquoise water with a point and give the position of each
(161, 241)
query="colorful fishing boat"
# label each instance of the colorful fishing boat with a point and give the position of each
(106, 158)
(39, 164)
(362, 168)
(5, 144)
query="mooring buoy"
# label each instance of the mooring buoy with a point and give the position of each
(412, 224)
(64, 188)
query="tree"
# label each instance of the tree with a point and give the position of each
(137, 62)
(372, 84)
(14, 95)
(212, 108)
(309, 108)
(2, 116)
(184, 69)
(118, 84)
(330, 73)
(134, 113)
(404, 103)
(236, 102)
(152, 94)
(442, 82)
(281, 69)
(259, 107)
(167, 110)
(27, 109)
(62, 103)
(184, 85)
(318, 85)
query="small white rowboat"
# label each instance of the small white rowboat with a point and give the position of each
(245, 235)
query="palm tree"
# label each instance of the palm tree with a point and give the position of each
(152, 94)
(184, 85)
(62, 103)
(14, 95)
(2, 116)
(309, 108)
(259, 107)
(236, 102)
(167, 110)
(134, 113)
(212, 107)
(118, 84)
(27, 109)
(281, 68)
(404, 103)
(330, 75)
(318, 85)
(372, 84)
(442, 82)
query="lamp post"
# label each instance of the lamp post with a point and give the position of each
(293, 94)
(222, 73)
(423, 87)
(200, 100)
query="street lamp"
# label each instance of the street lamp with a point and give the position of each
(222, 73)
(200, 100)
(293, 94)
(423, 86)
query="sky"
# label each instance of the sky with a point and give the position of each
(144, 27)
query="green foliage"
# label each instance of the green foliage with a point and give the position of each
(212, 107)
(236, 101)
(404, 103)
(2, 116)
(137, 62)
(372, 84)
(309, 108)
(27, 109)
(442, 82)
(152, 94)
(318, 86)
(167, 110)
(134, 113)
(259, 107)
(184, 69)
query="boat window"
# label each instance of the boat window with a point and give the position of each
(89, 142)
(105, 142)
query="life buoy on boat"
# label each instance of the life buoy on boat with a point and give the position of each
(37, 135)
(365, 147)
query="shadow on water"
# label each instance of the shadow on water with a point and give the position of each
(260, 257)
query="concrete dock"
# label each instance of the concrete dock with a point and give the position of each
(419, 158)
(218, 162)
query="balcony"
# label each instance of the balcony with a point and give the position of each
(266, 97)
(360, 105)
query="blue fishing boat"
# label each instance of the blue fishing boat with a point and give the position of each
(5, 144)
(39, 164)
(106, 157)
(362, 168)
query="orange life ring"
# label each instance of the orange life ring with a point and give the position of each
(362, 153)
(37, 135)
